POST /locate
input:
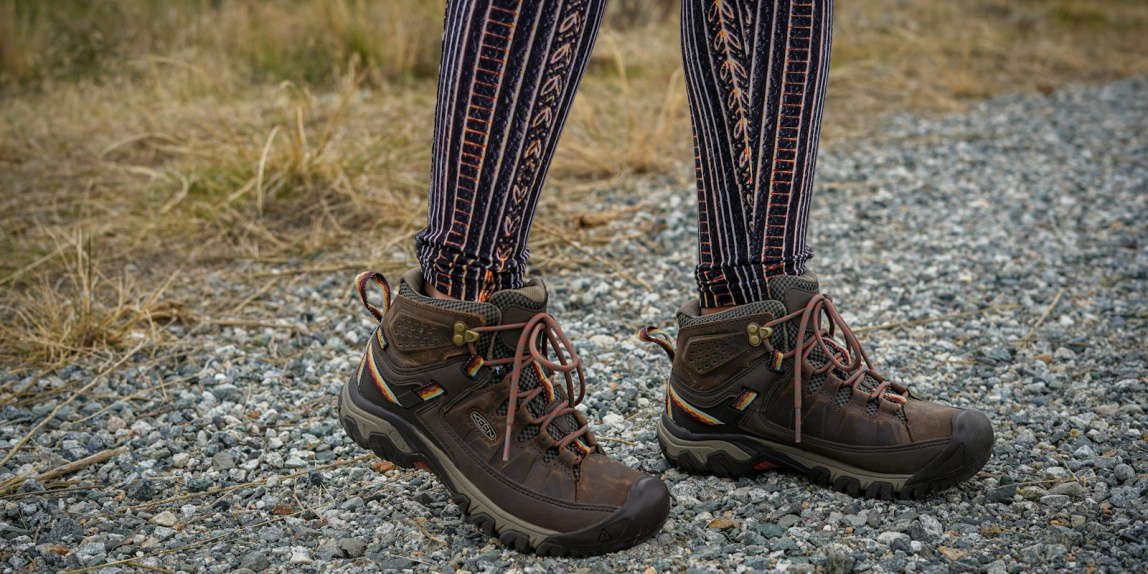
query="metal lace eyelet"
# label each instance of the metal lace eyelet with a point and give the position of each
(462, 335)
(757, 333)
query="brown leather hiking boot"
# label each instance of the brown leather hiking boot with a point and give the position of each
(766, 385)
(464, 390)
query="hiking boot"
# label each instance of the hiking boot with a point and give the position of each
(765, 385)
(467, 390)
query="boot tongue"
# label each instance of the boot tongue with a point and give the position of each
(516, 306)
(793, 291)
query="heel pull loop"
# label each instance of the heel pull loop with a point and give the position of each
(377, 278)
(652, 334)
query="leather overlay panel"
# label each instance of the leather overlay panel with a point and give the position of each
(705, 353)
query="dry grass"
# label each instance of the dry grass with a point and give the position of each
(83, 314)
(192, 134)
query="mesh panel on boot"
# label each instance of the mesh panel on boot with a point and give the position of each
(780, 285)
(529, 432)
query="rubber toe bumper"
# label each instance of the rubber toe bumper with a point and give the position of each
(645, 510)
(968, 451)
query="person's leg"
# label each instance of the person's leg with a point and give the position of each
(508, 75)
(756, 76)
(766, 372)
(461, 388)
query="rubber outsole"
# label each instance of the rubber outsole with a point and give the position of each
(735, 456)
(395, 440)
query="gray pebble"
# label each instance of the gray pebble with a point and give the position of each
(255, 560)
(1124, 472)
(221, 461)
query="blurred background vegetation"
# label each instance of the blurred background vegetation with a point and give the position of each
(147, 143)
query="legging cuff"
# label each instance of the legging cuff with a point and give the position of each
(746, 282)
(464, 276)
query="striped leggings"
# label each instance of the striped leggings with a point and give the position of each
(756, 74)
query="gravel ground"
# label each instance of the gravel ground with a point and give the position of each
(1028, 208)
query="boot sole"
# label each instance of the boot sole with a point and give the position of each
(392, 438)
(737, 455)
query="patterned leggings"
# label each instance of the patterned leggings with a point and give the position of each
(756, 75)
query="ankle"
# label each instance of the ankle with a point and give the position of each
(712, 310)
(436, 294)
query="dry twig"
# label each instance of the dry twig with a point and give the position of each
(916, 322)
(82, 463)
(1025, 339)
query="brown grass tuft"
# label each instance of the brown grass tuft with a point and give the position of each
(78, 314)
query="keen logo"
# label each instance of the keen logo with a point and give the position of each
(483, 426)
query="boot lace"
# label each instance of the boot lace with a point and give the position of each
(851, 359)
(538, 334)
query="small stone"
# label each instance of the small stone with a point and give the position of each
(1124, 472)
(395, 563)
(900, 544)
(1125, 497)
(931, 525)
(163, 533)
(199, 484)
(783, 544)
(273, 459)
(383, 466)
(1108, 410)
(255, 560)
(301, 555)
(352, 547)
(180, 460)
(1056, 500)
(1054, 551)
(1077, 520)
(887, 538)
(227, 392)
(165, 518)
(352, 503)
(221, 462)
(1070, 489)
(282, 510)
(770, 530)
(1002, 494)
(838, 560)
(951, 553)
(64, 530)
(721, 524)
(788, 520)
(143, 490)
(295, 462)
(1084, 453)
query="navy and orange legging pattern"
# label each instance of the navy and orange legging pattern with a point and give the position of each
(756, 74)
